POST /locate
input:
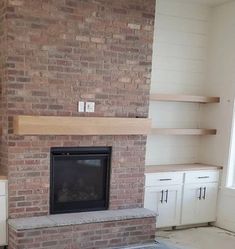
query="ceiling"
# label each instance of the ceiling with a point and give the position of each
(210, 2)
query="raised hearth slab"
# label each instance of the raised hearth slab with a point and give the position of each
(110, 229)
(149, 246)
(59, 220)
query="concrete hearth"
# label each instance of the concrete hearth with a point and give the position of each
(99, 229)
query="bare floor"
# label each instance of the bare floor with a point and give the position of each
(198, 238)
(194, 238)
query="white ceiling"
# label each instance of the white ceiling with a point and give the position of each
(210, 2)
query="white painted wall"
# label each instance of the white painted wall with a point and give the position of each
(221, 82)
(180, 45)
(179, 66)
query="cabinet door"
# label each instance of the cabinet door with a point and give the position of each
(3, 216)
(166, 202)
(199, 203)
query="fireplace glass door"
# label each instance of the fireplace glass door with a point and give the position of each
(79, 179)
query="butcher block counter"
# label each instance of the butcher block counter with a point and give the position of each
(180, 167)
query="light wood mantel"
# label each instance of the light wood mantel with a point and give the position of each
(54, 125)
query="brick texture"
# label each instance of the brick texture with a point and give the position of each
(3, 116)
(87, 236)
(30, 162)
(59, 52)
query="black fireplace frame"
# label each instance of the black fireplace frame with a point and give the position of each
(90, 153)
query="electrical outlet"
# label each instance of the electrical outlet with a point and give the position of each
(81, 106)
(90, 106)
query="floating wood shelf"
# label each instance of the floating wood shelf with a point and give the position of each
(184, 98)
(170, 131)
(52, 125)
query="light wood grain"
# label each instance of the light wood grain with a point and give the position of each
(180, 167)
(49, 125)
(184, 98)
(190, 132)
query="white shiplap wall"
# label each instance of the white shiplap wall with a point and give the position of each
(221, 81)
(179, 66)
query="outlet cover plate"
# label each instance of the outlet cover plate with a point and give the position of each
(81, 106)
(90, 106)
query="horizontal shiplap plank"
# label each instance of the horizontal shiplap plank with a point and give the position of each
(177, 88)
(170, 115)
(176, 77)
(172, 149)
(181, 24)
(177, 64)
(181, 52)
(189, 10)
(177, 82)
(180, 38)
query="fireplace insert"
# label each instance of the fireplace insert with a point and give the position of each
(79, 179)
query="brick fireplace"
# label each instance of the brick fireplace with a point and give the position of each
(55, 53)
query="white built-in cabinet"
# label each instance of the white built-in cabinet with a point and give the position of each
(182, 198)
(163, 194)
(199, 203)
(3, 212)
(166, 201)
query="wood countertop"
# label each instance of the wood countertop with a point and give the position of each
(180, 167)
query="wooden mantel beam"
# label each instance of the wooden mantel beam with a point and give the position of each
(54, 125)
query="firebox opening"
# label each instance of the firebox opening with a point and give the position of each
(79, 179)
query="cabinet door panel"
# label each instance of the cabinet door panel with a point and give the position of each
(3, 215)
(166, 201)
(196, 209)
(208, 205)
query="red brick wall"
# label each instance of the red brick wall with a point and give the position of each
(88, 236)
(29, 171)
(3, 82)
(63, 51)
